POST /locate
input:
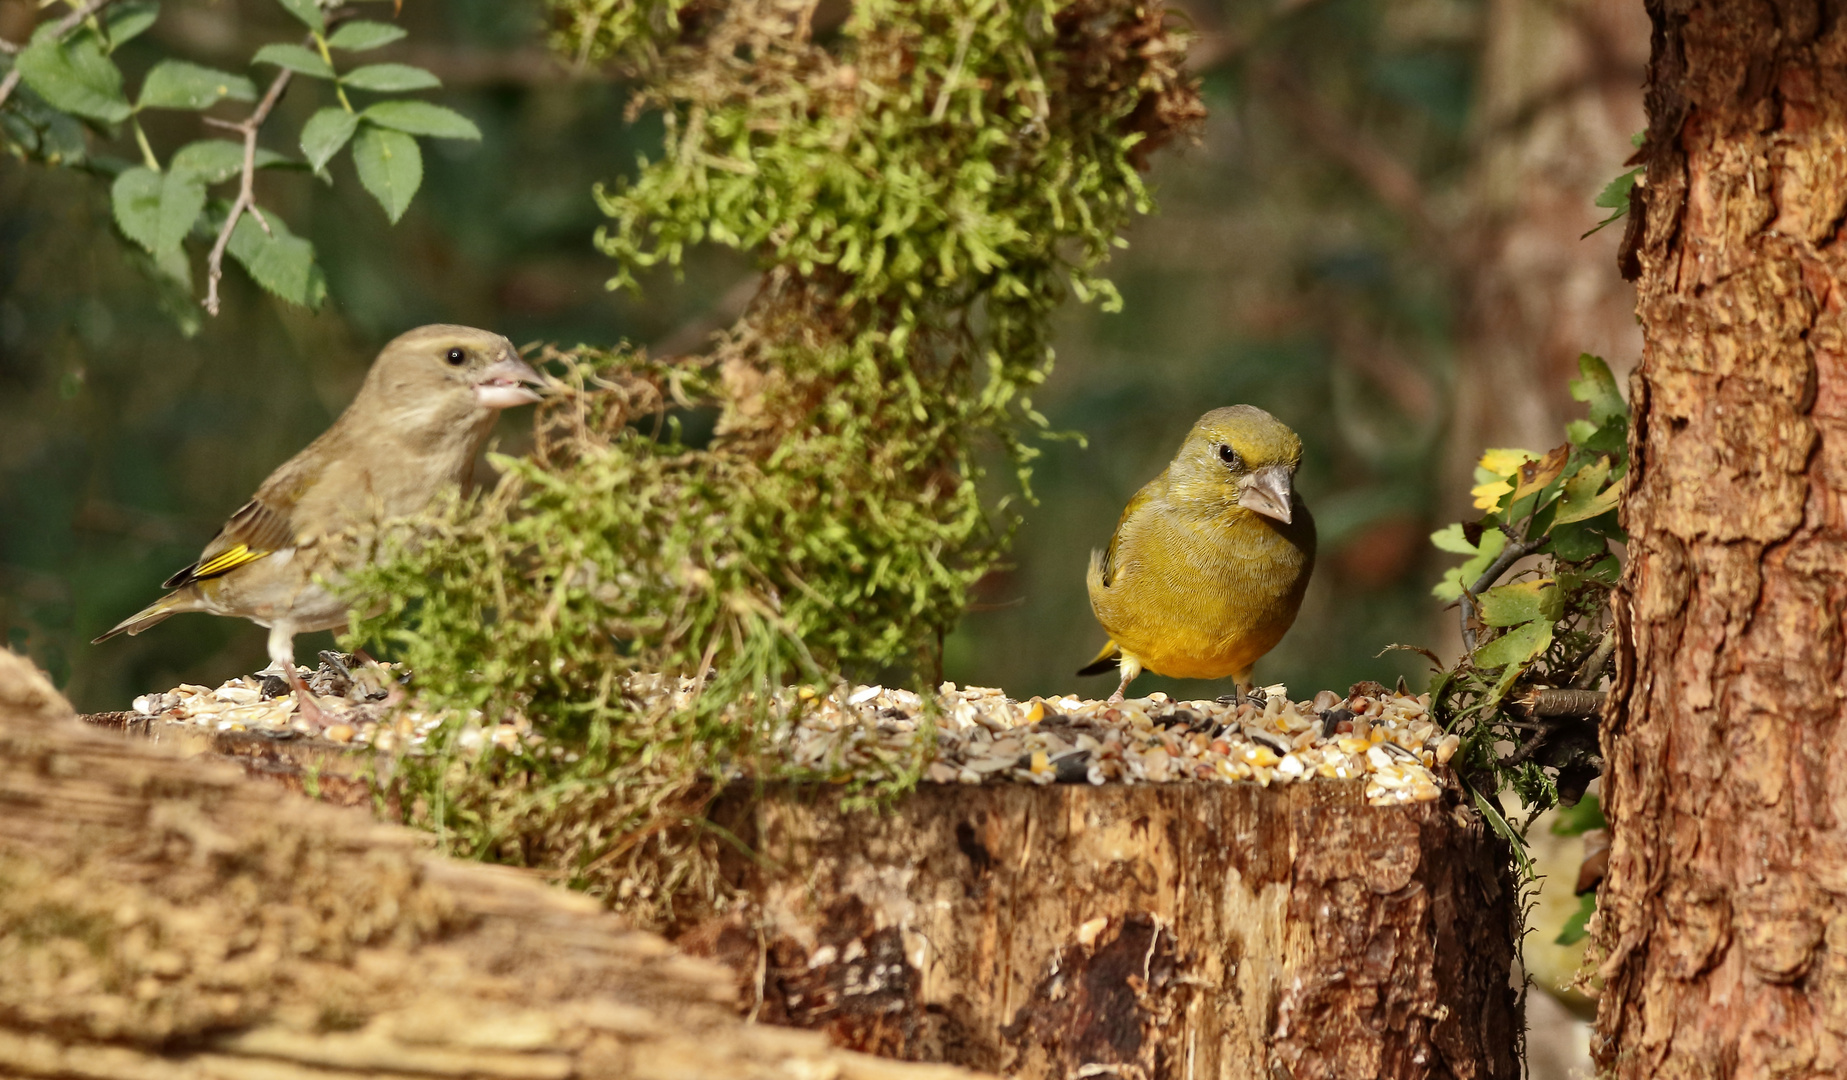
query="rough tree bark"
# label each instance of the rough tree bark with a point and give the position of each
(1725, 909)
(1180, 930)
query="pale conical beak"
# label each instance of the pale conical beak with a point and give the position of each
(1269, 491)
(499, 386)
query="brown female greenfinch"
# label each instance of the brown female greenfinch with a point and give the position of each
(1211, 558)
(425, 408)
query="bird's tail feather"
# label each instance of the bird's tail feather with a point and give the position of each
(171, 604)
(1104, 661)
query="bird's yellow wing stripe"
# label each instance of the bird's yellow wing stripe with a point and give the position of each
(227, 560)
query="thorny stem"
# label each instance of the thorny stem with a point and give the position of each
(246, 194)
(1509, 555)
(61, 28)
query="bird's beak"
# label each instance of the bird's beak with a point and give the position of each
(1269, 491)
(499, 386)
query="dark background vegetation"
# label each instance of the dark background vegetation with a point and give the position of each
(1289, 267)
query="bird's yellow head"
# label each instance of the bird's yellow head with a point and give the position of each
(444, 367)
(1242, 456)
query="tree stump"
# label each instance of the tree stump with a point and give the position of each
(1181, 930)
(1197, 928)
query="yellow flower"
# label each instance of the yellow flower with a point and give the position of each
(1493, 475)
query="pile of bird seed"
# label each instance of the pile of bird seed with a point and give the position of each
(1385, 737)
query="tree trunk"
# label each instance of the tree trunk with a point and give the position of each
(1725, 909)
(1183, 930)
(169, 920)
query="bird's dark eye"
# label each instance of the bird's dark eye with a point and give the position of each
(1229, 456)
(456, 356)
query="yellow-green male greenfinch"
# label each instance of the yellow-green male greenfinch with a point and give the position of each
(1211, 558)
(425, 408)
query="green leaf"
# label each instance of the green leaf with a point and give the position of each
(362, 34)
(171, 275)
(75, 77)
(124, 22)
(1522, 601)
(1574, 929)
(296, 58)
(214, 161)
(211, 160)
(390, 167)
(182, 199)
(1579, 819)
(135, 198)
(325, 133)
(283, 263)
(1505, 831)
(1604, 501)
(1516, 646)
(390, 78)
(1585, 495)
(39, 131)
(1615, 198)
(177, 84)
(422, 118)
(1493, 542)
(1450, 538)
(156, 210)
(1598, 388)
(1615, 194)
(1579, 430)
(1576, 542)
(309, 12)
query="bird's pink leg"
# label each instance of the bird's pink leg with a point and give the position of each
(1127, 674)
(305, 704)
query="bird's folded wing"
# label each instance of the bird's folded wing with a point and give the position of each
(255, 530)
(1112, 560)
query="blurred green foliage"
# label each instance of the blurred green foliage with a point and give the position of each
(1271, 276)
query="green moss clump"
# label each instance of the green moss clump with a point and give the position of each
(924, 184)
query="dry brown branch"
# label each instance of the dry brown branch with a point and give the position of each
(246, 191)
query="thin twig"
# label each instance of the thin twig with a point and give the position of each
(1509, 555)
(1526, 749)
(1593, 668)
(59, 29)
(1561, 703)
(246, 193)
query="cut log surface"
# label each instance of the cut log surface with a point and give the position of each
(1184, 930)
(169, 920)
